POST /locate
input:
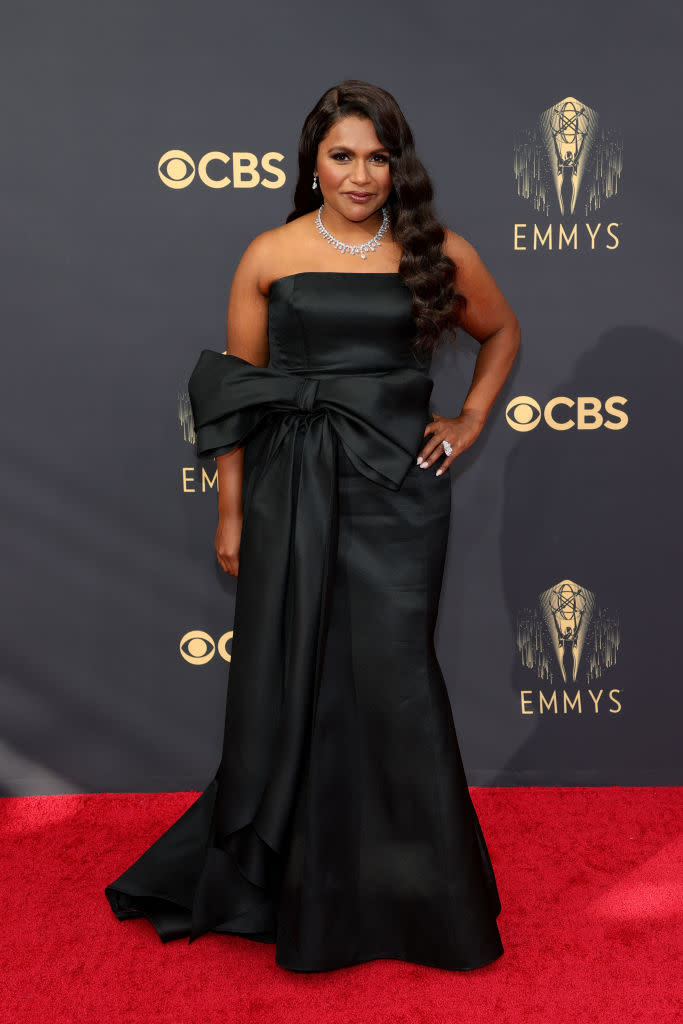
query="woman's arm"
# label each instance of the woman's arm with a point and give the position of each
(247, 337)
(489, 319)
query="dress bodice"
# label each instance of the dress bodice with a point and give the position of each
(324, 322)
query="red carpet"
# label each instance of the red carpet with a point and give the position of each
(590, 881)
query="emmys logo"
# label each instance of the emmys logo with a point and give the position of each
(193, 479)
(198, 647)
(177, 170)
(567, 165)
(567, 637)
(524, 413)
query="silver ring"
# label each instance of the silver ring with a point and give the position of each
(446, 447)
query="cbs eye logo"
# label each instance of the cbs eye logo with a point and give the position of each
(177, 169)
(198, 647)
(524, 413)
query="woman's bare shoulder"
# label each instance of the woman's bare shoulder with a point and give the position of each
(460, 250)
(269, 253)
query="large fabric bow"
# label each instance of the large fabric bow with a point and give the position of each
(287, 559)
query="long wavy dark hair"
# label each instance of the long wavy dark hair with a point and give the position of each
(424, 266)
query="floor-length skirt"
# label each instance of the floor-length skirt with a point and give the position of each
(382, 854)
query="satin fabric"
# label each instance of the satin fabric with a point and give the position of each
(338, 824)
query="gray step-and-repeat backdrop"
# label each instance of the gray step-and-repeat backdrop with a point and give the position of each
(147, 145)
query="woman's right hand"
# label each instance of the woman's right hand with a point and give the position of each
(228, 534)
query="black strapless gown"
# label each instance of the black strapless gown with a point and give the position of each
(338, 824)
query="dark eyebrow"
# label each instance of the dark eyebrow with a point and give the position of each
(380, 149)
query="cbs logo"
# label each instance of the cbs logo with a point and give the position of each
(198, 647)
(177, 169)
(524, 413)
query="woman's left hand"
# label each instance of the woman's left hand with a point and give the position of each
(460, 432)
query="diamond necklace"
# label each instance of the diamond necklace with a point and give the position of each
(354, 249)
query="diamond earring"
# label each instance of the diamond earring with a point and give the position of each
(315, 185)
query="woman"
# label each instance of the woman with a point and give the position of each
(339, 823)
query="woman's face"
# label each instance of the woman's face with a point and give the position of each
(351, 159)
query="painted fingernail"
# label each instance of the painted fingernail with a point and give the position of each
(438, 472)
(419, 459)
(423, 465)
